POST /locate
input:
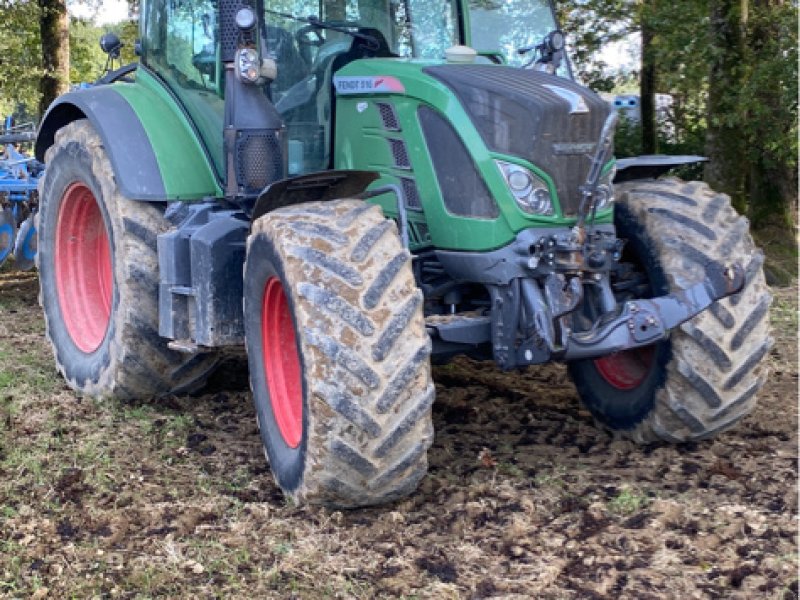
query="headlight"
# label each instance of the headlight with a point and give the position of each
(529, 190)
(248, 65)
(605, 190)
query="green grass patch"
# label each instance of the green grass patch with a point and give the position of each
(627, 502)
(783, 313)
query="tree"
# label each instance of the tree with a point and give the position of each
(724, 141)
(647, 78)
(769, 94)
(591, 25)
(752, 108)
(729, 67)
(22, 57)
(54, 28)
(595, 23)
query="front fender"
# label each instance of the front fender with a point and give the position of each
(312, 187)
(153, 150)
(651, 165)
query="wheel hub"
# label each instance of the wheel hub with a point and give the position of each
(628, 369)
(282, 362)
(84, 277)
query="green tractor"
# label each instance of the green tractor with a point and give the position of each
(351, 189)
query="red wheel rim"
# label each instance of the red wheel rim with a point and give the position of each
(84, 279)
(282, 363)
(626, 370)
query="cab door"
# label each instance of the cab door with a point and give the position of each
(181, 46)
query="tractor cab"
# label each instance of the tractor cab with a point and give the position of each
(309, 42)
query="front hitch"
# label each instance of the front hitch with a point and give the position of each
(531, 303)
(644, 322)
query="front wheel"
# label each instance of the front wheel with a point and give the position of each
(338, 354)
(704, 378)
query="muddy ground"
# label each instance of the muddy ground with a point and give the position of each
(525, 497)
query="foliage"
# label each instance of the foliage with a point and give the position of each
(20, 57)
(768, 113)
(86, 56)
(592, 25)
(757, 96)
(627, 138)
(628, 501)
(20, 54)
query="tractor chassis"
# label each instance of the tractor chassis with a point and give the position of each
(535, 286)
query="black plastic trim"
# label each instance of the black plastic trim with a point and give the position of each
(117, 74)
(313, 187)
(124, 138)
(651, 166)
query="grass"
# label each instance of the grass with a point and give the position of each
(628, 502)
(784, 313)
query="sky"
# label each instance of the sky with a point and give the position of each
(624, 53)
(110, 11)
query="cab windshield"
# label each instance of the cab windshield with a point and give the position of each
(501, 27)
(414, 28)
(410, 28)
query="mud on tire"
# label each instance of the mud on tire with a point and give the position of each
(364, 426)
(123, 356)
(705, 377)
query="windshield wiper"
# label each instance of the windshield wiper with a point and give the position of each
(372, 43)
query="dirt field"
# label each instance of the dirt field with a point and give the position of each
(525, 497)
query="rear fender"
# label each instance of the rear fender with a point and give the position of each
(153, 150)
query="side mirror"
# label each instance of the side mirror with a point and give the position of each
(111, 45)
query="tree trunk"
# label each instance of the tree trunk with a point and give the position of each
(772, 175)
(647, 90)
(54, 27)
(726, 170)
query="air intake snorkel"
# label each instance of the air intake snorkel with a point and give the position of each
(589, 189)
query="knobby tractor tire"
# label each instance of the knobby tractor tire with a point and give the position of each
(705, 377)
(338, 354)
(98, 273)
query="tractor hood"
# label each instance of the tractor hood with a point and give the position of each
(550, 121)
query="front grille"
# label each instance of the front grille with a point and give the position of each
(259, 160)
(517, 114)
(423, 234)
(463, 190)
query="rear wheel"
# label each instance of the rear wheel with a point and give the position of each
(705, 377)
(98, 272)
(338, 354)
